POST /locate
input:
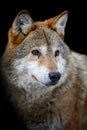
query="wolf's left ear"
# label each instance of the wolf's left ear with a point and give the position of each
(60, 23)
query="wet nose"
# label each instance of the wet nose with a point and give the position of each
(54, 76)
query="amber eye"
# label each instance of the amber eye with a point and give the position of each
(36, 53)
(56, 53)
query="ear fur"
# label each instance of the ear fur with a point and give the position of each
(59, 23)
(22, 22)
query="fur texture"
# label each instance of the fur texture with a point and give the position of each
(44, 80)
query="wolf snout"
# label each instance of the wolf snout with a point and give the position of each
(54, 77)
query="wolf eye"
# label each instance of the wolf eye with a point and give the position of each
(56, 53)
(36, 53)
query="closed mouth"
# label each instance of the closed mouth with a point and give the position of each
(51, 83)
(38, 80)
(47, 84)
(35, 78)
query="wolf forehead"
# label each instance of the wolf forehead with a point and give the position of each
(39, 40)
(42, 37)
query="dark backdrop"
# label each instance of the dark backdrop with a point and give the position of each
(75, 36)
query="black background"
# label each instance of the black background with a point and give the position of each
(75, 36)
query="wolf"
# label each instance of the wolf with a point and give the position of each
(43, 78)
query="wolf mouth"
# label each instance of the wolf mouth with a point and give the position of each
(38, 80)
(47, 84)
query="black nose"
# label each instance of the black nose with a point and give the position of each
(54, 76)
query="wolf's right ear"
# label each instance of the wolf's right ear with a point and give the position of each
(22, 23)
(21, 26)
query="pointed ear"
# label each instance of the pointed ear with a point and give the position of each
(21, 26)
(22, 23)
(60, 23)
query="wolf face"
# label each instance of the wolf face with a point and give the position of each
(37, 51)
(44, 63)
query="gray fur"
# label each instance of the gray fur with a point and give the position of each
(43, 107)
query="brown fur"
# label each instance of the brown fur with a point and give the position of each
(40, 104)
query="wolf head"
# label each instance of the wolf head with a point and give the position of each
(36, 52)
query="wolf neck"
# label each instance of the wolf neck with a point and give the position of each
(52, 106)
(50, 109)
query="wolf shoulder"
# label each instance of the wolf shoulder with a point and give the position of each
(80, 62)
